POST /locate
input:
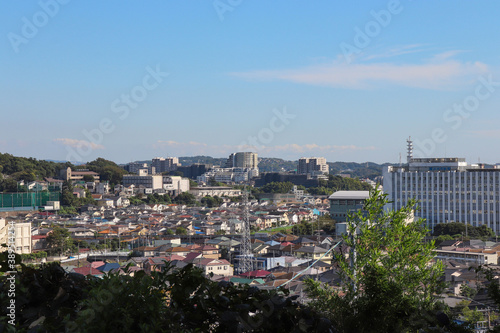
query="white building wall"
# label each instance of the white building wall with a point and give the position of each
(470, 197)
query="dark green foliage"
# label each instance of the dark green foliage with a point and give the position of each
(108, 170)
(67, 198)
(59, 241)
(8, 185)
(167, 301)
(29, 168)
(180, 231)
(88, 178)
(47, 291)
(457, 228)
(213, 182)
(277, 187)
(185, 198)
(209, 201)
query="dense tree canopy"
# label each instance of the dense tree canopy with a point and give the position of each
(457, 228)
(185, 198)
(108, 170)
(27, 169)
(51, 300)
(59, 240)
(210, 201)
(277, 187)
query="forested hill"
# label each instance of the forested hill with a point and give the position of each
(273, 164)
(361, 170)
(14, 168)
(29, 169)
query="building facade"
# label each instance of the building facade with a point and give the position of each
(161, 164)
(344, 202)
(312, 165)
(243, 160)
(16, 235)
(447, 190)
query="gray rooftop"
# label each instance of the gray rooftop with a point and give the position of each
(344, 195)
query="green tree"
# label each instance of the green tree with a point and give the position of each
(88, 178)
(59, 240)
(467, 291)
(211, 201)
(277, 187)
(185, 198)
(67, 197)
(180, 231)
(389, 282)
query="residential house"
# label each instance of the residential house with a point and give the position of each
(215, 266)
(313, 252)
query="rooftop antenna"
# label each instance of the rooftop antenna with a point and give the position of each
(409, 157)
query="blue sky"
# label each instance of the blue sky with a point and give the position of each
(350, 81)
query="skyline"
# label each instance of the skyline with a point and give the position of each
(350, 82)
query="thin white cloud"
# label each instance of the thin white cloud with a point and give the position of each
(493, 133)
(305, 148)
(190, 147)
(170, 143)
(396, 51)
(440, 73)
(77, 143)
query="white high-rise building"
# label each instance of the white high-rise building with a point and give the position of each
(243, 160)
(447, 190)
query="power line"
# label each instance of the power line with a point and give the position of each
(305, 269)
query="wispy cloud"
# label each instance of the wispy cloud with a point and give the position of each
(306, 148)
(293, 148)
(170, 143)
(396, 51)
(77, 143)
(491, 133)
(439, 73)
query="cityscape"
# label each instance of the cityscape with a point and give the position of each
(236, 166)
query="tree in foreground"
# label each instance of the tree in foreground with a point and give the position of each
(389, 279)
(50, 300)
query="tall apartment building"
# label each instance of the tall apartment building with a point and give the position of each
(243, 160)
(312, 165)
(448, 190)
(168, 164)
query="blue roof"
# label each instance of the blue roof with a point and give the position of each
(108, 267)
